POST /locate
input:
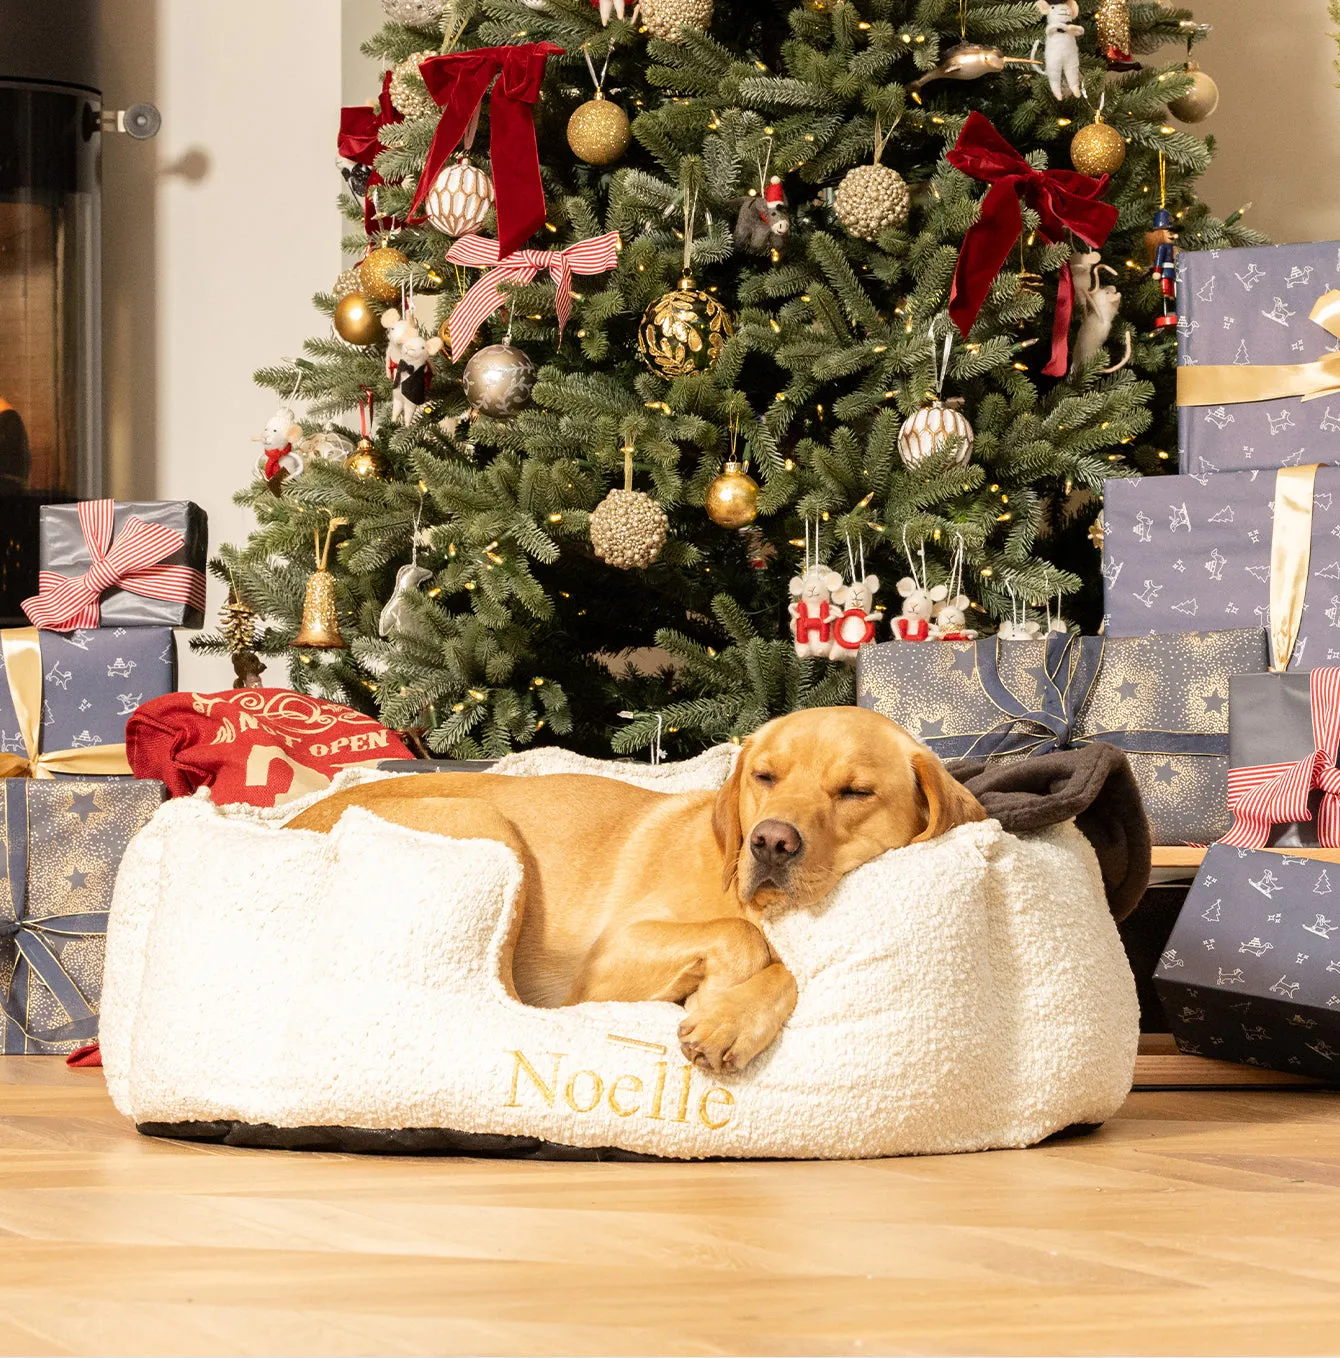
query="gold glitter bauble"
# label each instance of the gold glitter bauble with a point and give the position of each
(599, 131)
(373, 271)
(1112, 21)
(355, 321)
(628, 529)
(320, 629)
(683, 331)
(870, 199)
(497, 381)
(460, 198)
(1199, 101)
(925, 432)
(1098, 149)
(732, 498)
(664, 18)
(368, 462)
(345, 283)
(409, 95)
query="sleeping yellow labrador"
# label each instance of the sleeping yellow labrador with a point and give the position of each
(636, 895)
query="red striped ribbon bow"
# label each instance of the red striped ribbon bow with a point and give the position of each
(478, 252)
(1266, 795)
(133, 562)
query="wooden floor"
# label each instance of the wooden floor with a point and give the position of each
(1196, 1222)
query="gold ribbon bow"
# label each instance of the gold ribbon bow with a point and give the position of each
(1217, 384)
(22, 653)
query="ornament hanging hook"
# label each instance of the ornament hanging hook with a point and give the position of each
(940, 364)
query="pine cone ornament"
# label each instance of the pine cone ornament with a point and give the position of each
(628, 529)
(870, 199)
(664, 18)
(409, 95)
(424, 14)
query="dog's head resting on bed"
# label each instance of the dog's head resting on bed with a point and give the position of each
(815, 794)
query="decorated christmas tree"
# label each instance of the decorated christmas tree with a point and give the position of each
(672, 325)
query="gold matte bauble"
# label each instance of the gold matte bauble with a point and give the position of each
(926, 431)
(1098, 149)
(1199, 101)
(683, 331)
(870, 199)
(368, 462)
(628, 529)
(599, 131)
(373, 273)
(409, 95)
(355, 321)
(320, 629)
(460, 198)
(498, 379)
(665, 18)
(732, 497)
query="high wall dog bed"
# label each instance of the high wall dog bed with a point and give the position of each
(957, 995)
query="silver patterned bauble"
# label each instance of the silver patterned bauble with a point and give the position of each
(870, 199)
(665, 18)
(498, 380)
(925, 433)
(628, 529)
(460, 198)
(409, 95)
(424, 14)
(327, 445)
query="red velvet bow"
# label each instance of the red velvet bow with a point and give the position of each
(360, 141)
(1061, 198)
(459, 81)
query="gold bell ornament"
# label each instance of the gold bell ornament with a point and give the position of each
(355, 320)
(374, 273)
(927, 432)
(628, 528)
(367, 461)
(320, 629)
(1099, 148)
(871, 198)
(665, 18)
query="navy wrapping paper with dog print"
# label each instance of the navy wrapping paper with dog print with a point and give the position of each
(1164, 700)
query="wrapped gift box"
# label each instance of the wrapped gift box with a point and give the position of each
(157, 548)
(61, 843)
(1243, 313)
(1195, 552)
(436, 765)
(1251, 972)
(1164, 700)
(69, 693)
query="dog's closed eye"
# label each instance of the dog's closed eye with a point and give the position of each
(852, 791)
(767, 778)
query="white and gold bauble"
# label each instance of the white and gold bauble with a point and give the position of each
(422, 14)
(599, 131)
(628, 529)
(498, 379)
(665, 18)
(683, 331)
(409, 95)
(870, 199)
(460, 199)
(1199, 101)
(926, 432)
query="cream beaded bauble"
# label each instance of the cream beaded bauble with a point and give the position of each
(870, 199)
(425, 14)
(628, 529)
(665, 18)
(925, 432)
(345, 283)
(460, 199)
(409, 95)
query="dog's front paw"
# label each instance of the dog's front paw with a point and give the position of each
(723, 1038)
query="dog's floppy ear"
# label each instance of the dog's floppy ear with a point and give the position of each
(726, 821)
(948, 802)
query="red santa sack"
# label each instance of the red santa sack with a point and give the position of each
(263, 746)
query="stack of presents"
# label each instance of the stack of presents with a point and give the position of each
(1218, 670)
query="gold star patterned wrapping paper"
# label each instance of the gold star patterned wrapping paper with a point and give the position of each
(1163, 699)
(61, 843)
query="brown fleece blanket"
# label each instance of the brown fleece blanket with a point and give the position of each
(1093, 786)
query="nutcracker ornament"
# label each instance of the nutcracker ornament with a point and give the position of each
(1161, 248)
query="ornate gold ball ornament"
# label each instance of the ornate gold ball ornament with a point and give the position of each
(373, 273)
(345, 282)
(870, 199)
(460, 199)
(498, 379)
(368, 462)
(926, 431)
(423, 14)
(732, 497)
(628, 528)
(1097, 532)
(320, 630)
(599, 131)
(1199, 101)
(665, 18)
(355, 321)
(1098, 149)
(683, 331)
(409, 95)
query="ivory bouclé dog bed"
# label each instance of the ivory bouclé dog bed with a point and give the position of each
(962, 994)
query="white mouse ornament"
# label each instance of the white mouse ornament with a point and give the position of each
(409, 385)
(280, 458)
(1019, 629)
(398, 328)
(855, 626)
(811, 614)
(919, 604)
(1061, 55)
(951, 620)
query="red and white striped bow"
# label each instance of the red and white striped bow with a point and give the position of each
(133, 562)
(1266, 795)
(521, 266)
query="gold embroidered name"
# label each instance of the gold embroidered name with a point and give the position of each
(659, 1094)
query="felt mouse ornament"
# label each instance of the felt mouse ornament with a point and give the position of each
(919, 604)
(280, 458)
(855, 626)
(1098, 308)
(409, 386)
(1061, 55)
(764, 222)
(951, 620)
(398, 329)
(811, 614)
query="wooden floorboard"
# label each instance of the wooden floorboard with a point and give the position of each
(1201, 1222)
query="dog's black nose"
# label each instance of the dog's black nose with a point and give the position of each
(775, 843)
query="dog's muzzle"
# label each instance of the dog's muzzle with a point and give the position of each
(774, 847)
